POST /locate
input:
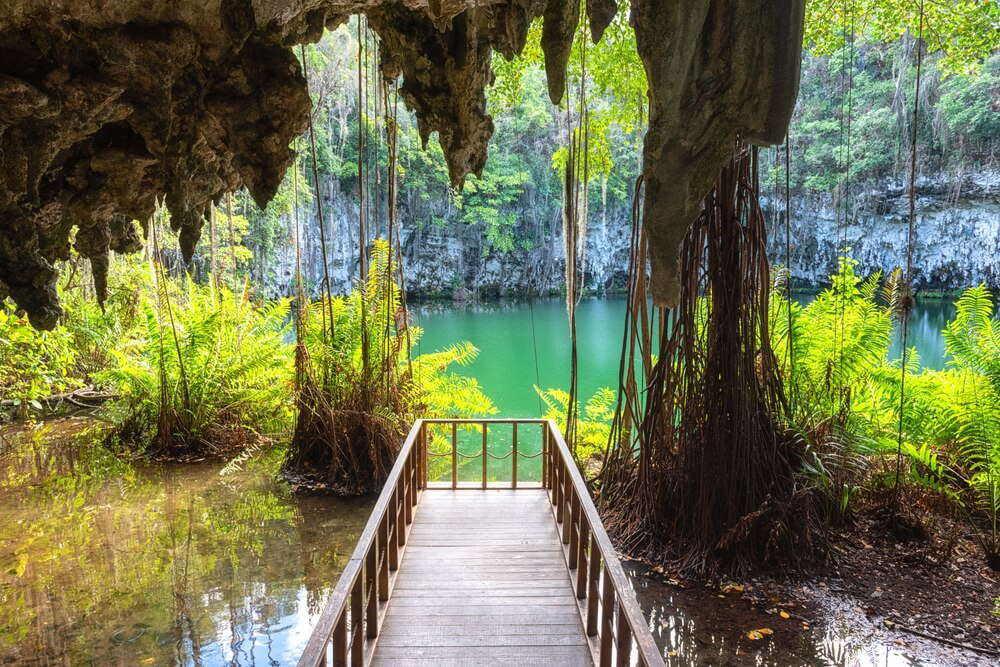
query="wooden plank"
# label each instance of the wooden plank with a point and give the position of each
(474, 628)
(559, 613)
(483, 640)
(484, 578)
(407, 624)
(523, 661)
(580, 654)
(483, 582)
(461, 601)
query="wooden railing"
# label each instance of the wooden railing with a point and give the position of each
(348, 627)
(487, 426)
(611, 614)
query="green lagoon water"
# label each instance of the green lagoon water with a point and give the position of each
(511, 336)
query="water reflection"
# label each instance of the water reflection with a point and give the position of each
(113, 564)
(102, 563)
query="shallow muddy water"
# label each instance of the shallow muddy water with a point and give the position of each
(696, 626)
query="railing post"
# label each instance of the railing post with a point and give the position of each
(592, 581)
(454, 455)
(423, 456)
(408, 474)
(401, 502)
(371, 593)
(340, 641)
(392, 515)
(574, 531)
(513, 456)
(486, 455)
(357, 622)
(567, 524)
(383, 550)
(607, 609)
(624, 639)
(557, 487)
(545, 456)
(581, 559)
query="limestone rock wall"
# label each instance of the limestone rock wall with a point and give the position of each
(958, 244)
(957, 232)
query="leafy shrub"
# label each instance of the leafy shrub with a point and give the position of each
(98, 332)
(33, 364)
(848, 396)
(358, 390)
(593, 425)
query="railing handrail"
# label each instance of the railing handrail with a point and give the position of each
(482, 420)
(626, 597)
(315, 650)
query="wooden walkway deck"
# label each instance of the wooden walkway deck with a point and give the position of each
(483, 581)
(459, 574)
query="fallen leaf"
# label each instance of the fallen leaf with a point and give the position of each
(754, 635)
(784, 614)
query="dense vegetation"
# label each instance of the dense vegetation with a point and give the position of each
(211, 360)
(200, 370)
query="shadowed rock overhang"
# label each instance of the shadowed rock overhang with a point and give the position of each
(106, 107)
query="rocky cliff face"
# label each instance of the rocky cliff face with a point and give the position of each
(453, 261)
(957, 232)
(958, 244)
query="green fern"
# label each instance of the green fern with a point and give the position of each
(226, 380)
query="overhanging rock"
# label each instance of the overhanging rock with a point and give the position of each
(107, 108)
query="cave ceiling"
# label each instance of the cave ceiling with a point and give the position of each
(109, 107)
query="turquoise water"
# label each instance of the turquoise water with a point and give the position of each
(524, 344)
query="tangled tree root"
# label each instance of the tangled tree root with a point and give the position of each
(346, 449)
(715, 486)
(175, 440)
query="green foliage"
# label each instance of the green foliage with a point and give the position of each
(964, 31)
(358, 389)
(97, 332)
(425, 385)
(208, 371)
(968, 108)
(593, 426)
(839, 341)
(973, 337)
(847, 396)
(973, 343)
(33, 364)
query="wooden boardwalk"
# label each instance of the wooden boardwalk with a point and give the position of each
(491, 573)
(483, 582)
